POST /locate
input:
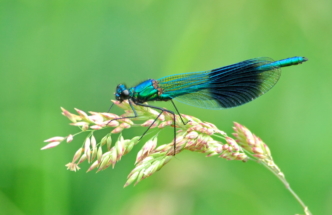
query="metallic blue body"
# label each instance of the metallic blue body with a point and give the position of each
(285, 62)
(220, 88)
(145, 91)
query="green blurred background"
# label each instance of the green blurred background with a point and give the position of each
(74, 53)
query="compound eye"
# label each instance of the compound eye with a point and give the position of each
(125, 92)
(117, 96)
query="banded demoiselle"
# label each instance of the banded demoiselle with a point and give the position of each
(220, 88)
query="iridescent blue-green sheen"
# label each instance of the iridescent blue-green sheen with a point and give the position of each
(220, 88)
(285, 62)
(145, 91)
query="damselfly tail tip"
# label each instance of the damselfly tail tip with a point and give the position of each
(305, 59)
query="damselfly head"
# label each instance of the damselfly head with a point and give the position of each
(121, 93)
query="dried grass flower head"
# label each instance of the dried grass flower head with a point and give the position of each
(195, 136)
